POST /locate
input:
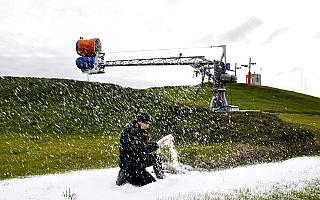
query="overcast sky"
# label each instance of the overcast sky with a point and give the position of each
(38, 38)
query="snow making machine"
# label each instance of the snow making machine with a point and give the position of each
(92, 62)
(91, 56)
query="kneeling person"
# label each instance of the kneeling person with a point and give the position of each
(134, 153)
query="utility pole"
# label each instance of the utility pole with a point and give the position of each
(301, 75)
(249, 73)
(235, 69)
(305, 83)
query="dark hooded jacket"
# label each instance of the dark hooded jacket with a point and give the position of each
(135, 145)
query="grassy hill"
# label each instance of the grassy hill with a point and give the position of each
(56, 125)
(247, 97)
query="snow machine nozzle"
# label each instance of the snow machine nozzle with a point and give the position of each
(88, 47)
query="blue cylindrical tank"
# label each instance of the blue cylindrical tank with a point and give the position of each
(85, 62)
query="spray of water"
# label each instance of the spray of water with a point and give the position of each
(174, 156)
(173, 166)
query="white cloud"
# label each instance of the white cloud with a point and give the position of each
(276, 33)
(317, 36)
(242, 32)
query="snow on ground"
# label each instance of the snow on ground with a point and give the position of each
(100, 184)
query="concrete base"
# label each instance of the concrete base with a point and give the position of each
(227, 109)
(232, 109)
(249, 111)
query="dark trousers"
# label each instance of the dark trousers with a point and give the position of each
(140, 176)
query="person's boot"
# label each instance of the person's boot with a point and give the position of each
(160, 175)
(118, 182)
(123, 177)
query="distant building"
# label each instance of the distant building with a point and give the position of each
(255, 79)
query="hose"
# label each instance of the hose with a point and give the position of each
(194, 100)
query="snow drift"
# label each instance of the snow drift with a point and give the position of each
(100, 184)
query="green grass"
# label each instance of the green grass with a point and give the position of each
(247, 97)
(56, 125)
(270, 99)
(308, 121)
(26, 155)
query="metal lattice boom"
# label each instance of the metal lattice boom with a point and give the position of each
(192, 60)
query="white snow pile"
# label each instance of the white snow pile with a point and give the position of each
(100, 184)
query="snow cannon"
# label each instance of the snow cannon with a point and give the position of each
(88, 47)
(91, 56)
(85, 62)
